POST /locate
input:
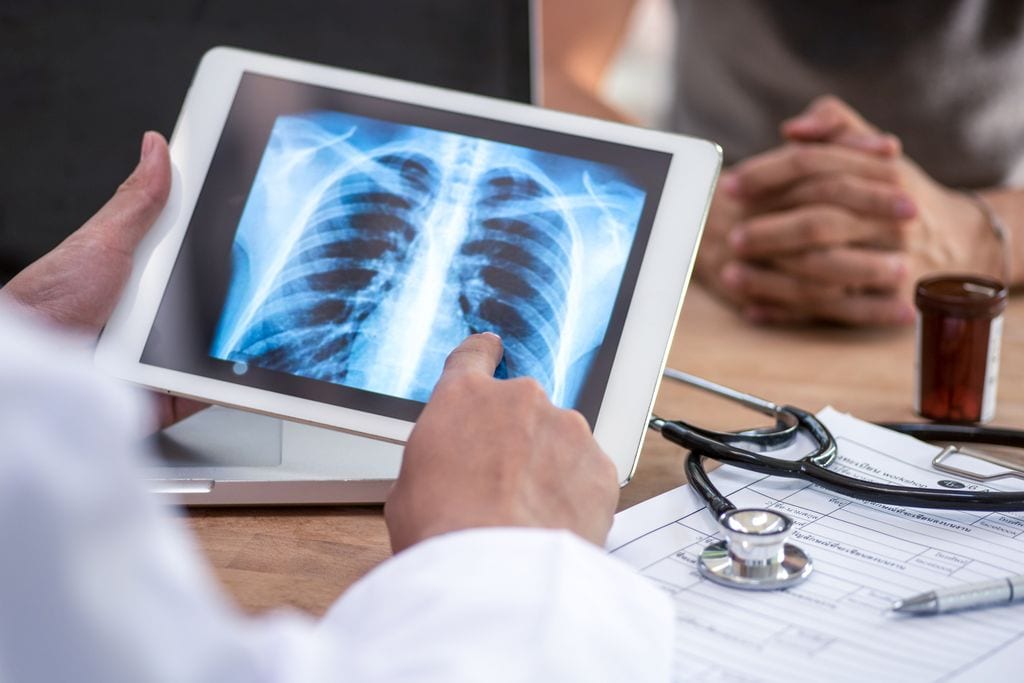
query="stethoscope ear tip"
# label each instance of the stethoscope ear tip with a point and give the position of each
(754, 554)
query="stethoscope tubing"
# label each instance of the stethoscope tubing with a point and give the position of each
(700, 441)
(814, 469)
(726, 447)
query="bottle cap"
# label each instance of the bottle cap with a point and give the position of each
(964, 296)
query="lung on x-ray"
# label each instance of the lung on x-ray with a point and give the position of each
(367, 250)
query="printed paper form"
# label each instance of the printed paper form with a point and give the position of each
(836, 626)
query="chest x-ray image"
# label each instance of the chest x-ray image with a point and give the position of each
(367, 250)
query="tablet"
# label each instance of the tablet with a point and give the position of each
(331, 236)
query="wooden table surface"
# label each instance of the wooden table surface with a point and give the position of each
(306, 557)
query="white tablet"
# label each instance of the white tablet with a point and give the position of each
(330, 236)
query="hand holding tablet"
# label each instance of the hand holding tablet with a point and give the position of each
(332, 236)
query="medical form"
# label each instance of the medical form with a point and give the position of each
(837, 625)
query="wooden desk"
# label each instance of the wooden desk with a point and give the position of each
(305, 557)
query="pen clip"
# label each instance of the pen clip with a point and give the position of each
(997, 467)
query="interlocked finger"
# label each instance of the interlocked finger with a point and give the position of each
(780, 168)
(804, 228)
(852, 268)
(754, 283)
(860, 195)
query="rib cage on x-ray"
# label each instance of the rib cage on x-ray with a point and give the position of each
(350, 255)
(368, 250)
(511, 270)
(514, 271)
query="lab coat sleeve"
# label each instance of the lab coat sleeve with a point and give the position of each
(99, 583)
(507, 604)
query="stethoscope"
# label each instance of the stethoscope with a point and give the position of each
(754, 553)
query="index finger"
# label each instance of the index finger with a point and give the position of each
(779, 168)
(478, 354)
(801, 229)
(825, 119)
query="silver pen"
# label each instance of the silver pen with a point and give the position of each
(967, 596)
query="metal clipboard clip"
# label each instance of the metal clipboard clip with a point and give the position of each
(986, 467)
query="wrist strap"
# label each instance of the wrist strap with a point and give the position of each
(999, 229)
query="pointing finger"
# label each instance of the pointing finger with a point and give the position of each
(478, 354)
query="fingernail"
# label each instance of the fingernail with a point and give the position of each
(904, 207)
(870, 143)
(148, 143)
(885, 144)
(899, 266)
(803, 123)
(732, 275)
(730, 182)
(737, 238)
(491, 334)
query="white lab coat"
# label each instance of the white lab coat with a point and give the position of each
(99, 583)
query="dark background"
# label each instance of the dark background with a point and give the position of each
(81, 81)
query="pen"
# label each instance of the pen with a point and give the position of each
(967, 596)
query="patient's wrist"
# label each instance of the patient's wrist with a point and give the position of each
(995, 239)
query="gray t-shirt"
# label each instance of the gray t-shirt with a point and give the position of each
(947, 76)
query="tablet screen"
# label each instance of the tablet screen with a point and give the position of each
(342, 245)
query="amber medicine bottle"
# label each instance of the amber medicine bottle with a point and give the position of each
(959, 331)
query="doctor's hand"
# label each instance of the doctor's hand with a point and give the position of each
(488, 452)
(78, 283)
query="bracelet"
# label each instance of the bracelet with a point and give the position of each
(999, 229)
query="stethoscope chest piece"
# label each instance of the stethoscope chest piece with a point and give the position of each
(754, 554)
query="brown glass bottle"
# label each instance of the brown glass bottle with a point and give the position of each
(959, 330)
